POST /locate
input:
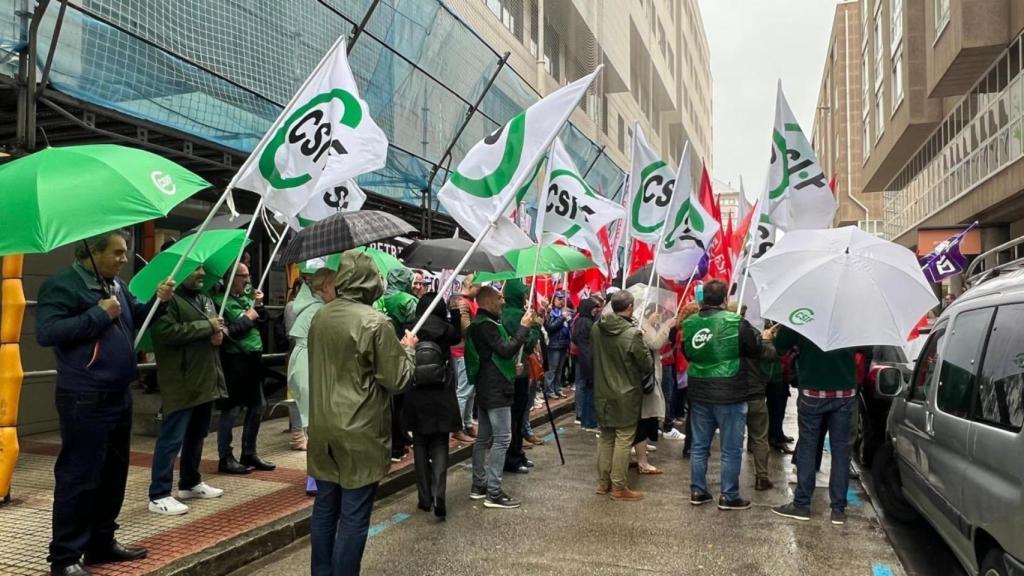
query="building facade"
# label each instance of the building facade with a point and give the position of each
(838, 135)
(944, 114)
(728, 200)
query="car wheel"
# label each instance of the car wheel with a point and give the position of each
(993, 564)
(889, 486)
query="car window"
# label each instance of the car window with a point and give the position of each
(926, 365)
(888, 355)
(1000, 394)
(961, 360)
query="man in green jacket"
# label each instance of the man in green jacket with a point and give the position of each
(622, 366)
(185, 340)
(356, 364)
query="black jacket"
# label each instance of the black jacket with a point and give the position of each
(581, 338)
(493, 390)
(435, 410)
(736, 388)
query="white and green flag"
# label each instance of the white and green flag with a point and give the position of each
(573, 211)
(323, 138)
(690, 228)
(345, 197)
(651, 181)
(799, 195)
(759, 240)
(500, 168)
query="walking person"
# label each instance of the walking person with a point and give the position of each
(356, 364)
(623, 373)
(242, 360)
(826, 398)
(556, 324)
(308, 302)
(463, 309)
(186, 339)
(431, 407)
(86, 313)
(716, 343)
(491, 355)
(581, 329)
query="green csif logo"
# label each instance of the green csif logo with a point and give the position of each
(801, 316)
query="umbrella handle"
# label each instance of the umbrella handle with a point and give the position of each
(99, 279)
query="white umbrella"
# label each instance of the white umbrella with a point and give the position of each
(842, 288)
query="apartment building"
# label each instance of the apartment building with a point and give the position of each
(657, 65)
(942, 116)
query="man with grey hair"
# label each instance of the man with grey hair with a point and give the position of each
(623, 373)
(87, 315)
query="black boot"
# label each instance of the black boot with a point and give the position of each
(75, 569)
(228, 465)
(257, 462)
(439, 510)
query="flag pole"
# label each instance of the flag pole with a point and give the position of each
(759, 209)
(679, 305)
(238, 259)
(629, 208)
(492, 221)
(266, 271)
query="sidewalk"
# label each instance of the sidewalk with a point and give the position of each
(258, 513)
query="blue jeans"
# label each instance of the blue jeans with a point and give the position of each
(495, 433)
(668, 389)
(585, 401)
(250, 430)
(731, 420)
(527, 427)
(338, 528)
(466, 393)
(183, 430)
(553, 377)
(816, 416)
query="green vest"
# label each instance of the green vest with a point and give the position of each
(248, 342)
(712, 345)
(507, 366)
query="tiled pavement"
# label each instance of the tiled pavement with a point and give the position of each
(249, 503)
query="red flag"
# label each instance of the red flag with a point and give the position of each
(641, 255)
(739, 237)
(720, 262)
(583, 283)
(730, 239)
(832, 184)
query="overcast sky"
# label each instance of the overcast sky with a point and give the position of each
(753, 44)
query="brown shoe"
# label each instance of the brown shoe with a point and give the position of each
(603, 489)
(532, 439)
(762, 484)
(626, 495)
(298, 441)
(464, 438)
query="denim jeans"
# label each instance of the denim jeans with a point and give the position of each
(585, 402)
(553, 377)
(731, 420)
(183, 430)
(466, 393)
(338, 528)
(816, 416)
(250, 430)
(495, 433)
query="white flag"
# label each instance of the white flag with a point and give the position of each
(799, 195)
(763, 231)
(503, 165)
(650, 186)
(347, 197)
(573, 211)
(690, 228)
(324, 137)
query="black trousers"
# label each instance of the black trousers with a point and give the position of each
(516, 456)
(398, 439)
(90, 473)
(431, 460)
(777, 396)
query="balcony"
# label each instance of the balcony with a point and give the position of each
(964, 43)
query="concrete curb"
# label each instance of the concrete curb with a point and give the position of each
(242, 550)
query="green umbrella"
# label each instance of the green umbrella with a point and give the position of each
(61, 195)
(554, 258)
(216, 251)
(385, 262)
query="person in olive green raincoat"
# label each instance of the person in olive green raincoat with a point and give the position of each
(356, 364)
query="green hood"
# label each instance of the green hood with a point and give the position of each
(399, 280)
(304, 299)
(613, 324)
(515, 292)
(358, 279)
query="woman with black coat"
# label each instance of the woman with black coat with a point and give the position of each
(432, 412)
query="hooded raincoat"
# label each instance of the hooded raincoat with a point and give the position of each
(356, 363)
(621, 363)
(398, 302)
(305, 306)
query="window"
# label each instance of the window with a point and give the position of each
(897, 79)
(961, 361)
(865, 84)
(622, 134)
(895, 24)
(941, 15)
(534, 27)
(879, 114)
(879, 52)
(925, 371)
(1000, 395)
(866, 137)
(505, 10)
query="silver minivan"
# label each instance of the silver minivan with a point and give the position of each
(954, 452)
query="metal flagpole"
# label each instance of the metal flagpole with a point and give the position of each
(238, 259)
(266, 271)
(762, 206)
(629, 209)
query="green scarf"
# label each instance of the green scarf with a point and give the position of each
(507, 366)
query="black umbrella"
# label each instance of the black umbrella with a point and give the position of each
(643, 276)
(343, 231)
(446, 253)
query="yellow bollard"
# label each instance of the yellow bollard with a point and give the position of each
(11, 374)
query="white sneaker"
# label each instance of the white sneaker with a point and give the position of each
(652, 448)
(202, 491)
(167, 506)
(673, 434)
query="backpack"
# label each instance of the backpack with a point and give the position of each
(431, 366)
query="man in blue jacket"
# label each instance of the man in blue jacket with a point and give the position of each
(87, 315)
(557, 326)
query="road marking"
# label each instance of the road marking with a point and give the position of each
(853, 497)
(551, 435)
(379, 527)
(881, 570)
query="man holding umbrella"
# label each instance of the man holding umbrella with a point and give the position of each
(87, 315)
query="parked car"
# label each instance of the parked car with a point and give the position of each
(954, 451)
(874, 407)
